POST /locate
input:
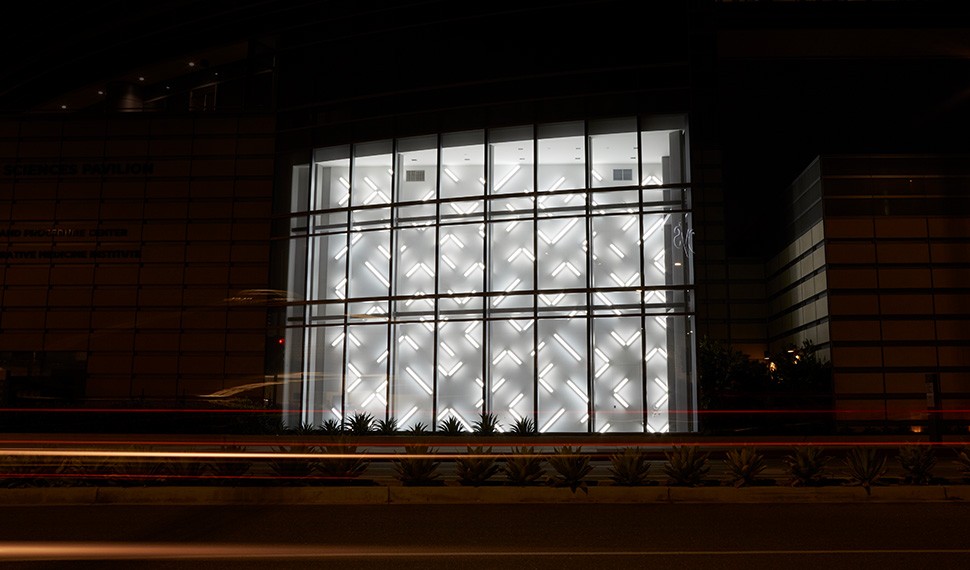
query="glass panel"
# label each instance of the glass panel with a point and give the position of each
(412, 387)
(294, 383)
(460, 384)
(511, 161)
(372, 181)
(563, 393)
(616, 263)
(617, 355)
(366, 390)
(512, 260)
(461, 267)
(511, 385)
(562, 253)
(327, 273)
(415, 269)
(331, 187)
(657, 378)
(613, 153)
(463, 165)
(370, 270)
(662, 157)
(562, 157)
(656, 228)
(325, 375)
(417, 179)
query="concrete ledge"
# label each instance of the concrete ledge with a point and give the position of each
(380, 495)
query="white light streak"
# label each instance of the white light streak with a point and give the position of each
(578, 391)
(451, 175)
(568, 348)
(508, 176)
(552, 420)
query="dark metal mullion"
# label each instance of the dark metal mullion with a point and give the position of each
(644, 379)
(535, 277)
(590, 368)
(304, 361)
(486, 327)
(344, 363)
(437, 289)
(392, 289)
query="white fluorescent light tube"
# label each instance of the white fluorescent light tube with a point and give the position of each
(370, 183)
(451, 175)
(344, 183)
(596, 175)
(554, 187)
(507, 177)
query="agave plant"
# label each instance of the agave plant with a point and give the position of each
(572, 467)
(629, 467)
(293, 467)
(451, 426)
(387, 427)
(523, 426)
(226, 468)
(686, 465)
(864, 467)
(806, 465)
(331, 427)
(476, 467)
(963, 462)
(486, 424)
(361, 423)
(341, 460)
(918, 462)
(304, 429)
(523, 466)
(418, 428)
(744, 465)
(417, 467)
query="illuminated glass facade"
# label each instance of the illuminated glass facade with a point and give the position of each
(540, 271)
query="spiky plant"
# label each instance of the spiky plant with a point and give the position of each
(331, 427)
(572, 466)
(293, 467)
(476, 467)
(629, 467)
(806, 465)
(686, 466)
(963, 461)
(417, 467)
(523, 466)
(304, 429)
(523, 426)
(361, 423)
(451, 426)
(233, 467)
(387, 427)
(744, 465)
(918, 462)
(341, 460)
(864, 467)
(418, 428)
(486, 424)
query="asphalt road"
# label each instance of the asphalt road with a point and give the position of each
(600, 536)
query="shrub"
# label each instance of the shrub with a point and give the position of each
(387, 427)
(572, 466)
(686, 466)
(417, 467)
(629, 467)
(523, 466)
(361, 423)
(963, 462)
(806, 465)
(418, 428)
(918, 462)
(332, 427)
(341, 460)
(523, 426)
(234, 467)
(476, 467)
(293, 467)
(864, 467)
(744, 465)
(486, 424)
(451, 426)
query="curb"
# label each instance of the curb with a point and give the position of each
(473, 495)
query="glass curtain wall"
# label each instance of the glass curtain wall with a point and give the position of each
(541, 272)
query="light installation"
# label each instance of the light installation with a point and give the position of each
(541, 271)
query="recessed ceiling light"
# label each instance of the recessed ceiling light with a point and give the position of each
(217, 73)
(100, 92)
(168, 87)
(191, 64)
(63, 106)
(141, 79)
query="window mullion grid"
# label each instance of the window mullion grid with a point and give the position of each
(643, 283)
(436, 319)
(306, 414)
(535, 277)
(590, 405)
(392, 289)
(346, 303)
(486, 247)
